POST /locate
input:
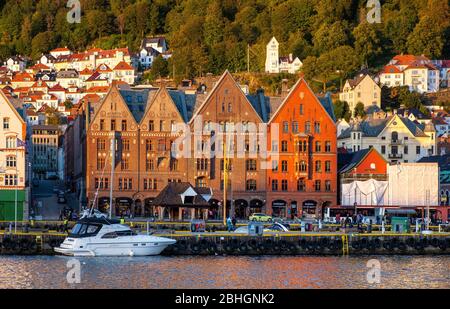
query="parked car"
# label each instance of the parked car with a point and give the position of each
(260, 217)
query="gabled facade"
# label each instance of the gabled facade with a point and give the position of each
(361, 89)
(12, 162)
(303, 179)
(397, 138)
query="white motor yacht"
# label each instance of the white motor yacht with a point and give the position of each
(99, 236)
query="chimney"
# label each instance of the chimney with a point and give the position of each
(284, 88)
(291, 58)
(209, 82)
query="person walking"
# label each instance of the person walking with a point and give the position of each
(233, 222)
(229, 224)
(66, 225)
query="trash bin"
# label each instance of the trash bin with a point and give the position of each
(255, 228)
(198, 226)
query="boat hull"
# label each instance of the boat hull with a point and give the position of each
(114, 248)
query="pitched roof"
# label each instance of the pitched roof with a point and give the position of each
(391, 69)
(371, 127)
(350, 160)
(442, 160)
(123, 66)
(171, 196)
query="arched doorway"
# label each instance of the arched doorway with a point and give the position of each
(294, 210)
(256, 206)
(214, 209)
(241, 207)
(103, 204)
(279, 208)
(149, 208)
(137, 208)
(309, 209)
(123, 206)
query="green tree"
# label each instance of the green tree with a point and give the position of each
(367, 42)
(342, 110)
(159, 68)
(359, 110)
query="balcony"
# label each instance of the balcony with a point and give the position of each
(396, 142)
(395, 156)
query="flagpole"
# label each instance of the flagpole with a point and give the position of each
(16, 182)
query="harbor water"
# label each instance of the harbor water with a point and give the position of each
(227, 272)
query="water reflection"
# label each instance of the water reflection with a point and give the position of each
(225, 272)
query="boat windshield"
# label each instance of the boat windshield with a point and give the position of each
(119, 234)
(84, 230)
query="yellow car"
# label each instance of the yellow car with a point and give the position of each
(260, 217)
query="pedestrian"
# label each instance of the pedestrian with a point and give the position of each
(338, 218)
(233, 221)
(60, 215)
(229, 224)
(66, 225)
(122, 220)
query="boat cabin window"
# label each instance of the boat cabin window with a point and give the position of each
(85, 230)
(119, 234)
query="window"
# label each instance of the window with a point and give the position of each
(327, 185)
(150, 184)
(317, 127)
(126, 145)
(230, 165)
(301, 109)
(151, 126)
(230, 107)
(125, 164)
(161, 125)
(102, 124)
(274, 145)
(200, 182)
(113, 125)
(125, 184)
(284, 166)
(302, 166)
(275, 166)
(317, 185)
(11, 161)
(383, 149)
(285, 127)
(250, 165)
(10, 180)
(318, 166)
(11, 142)
(124, 125)
(5, 123)
(101, 183)
(418, 150)
(149, 145)
(250, 185)
(202, 164)
(161, 145)
(101, 144)
(327, 166)
(301, 184)
(327, 146)
(284, 146)
(149, 165)
(100, 163)
(294, 127)
(318, 147)
(284, 185)
(405, 149)
(307, 127)
(274, 185)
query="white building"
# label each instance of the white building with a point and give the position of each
(16, 64)
(277, 64)
(416, 72)
(396, 138)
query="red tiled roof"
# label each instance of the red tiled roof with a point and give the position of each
(60, 49)
(408, 59)
(57, 88)
(391, 69)
(39, 66)
(22, 77)
(123, 66)
(98, 89)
